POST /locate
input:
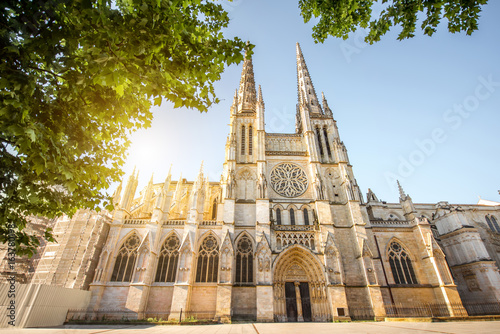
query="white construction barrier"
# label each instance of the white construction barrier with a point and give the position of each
(37, 305)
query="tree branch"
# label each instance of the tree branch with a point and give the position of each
(41, 69)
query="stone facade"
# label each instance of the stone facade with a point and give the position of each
(284, 236)
(26, 266)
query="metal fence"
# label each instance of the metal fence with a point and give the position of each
(197, 315)
(478, 308)
(100, 315)
(399, 310)
(426, 310)
(125, 315)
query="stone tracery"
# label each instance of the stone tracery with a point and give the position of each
(289, 180)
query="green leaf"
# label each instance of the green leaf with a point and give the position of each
(119, 90)
(78, 88)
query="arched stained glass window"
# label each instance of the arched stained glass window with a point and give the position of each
(250, 140)
(167, 260)
(208, 260)
(401, 266)
(125, 260)
(325, 133)
(306, 217)
(244, 260)
(243, 140)
(495, 223)
(278, 216)
(214, 209)
(292, 217)
(492, 223)
(318, 136)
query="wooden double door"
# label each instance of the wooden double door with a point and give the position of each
(298, 301)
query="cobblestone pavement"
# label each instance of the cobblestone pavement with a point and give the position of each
(286, 328)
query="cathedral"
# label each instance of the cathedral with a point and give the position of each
(286, 235)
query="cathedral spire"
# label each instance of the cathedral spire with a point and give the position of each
(305, 89)
(326, 108)
(199, 179)
(246, 94)
(402, 194)
(178, 190)
(129, 193)
(148, 195)
(260, 99)
(200, 173)
(169, 175)
(117, 195)
(260, 125)
(406, 204)
(234, 106)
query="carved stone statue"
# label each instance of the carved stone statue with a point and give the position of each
(318, 184)
(349, 187)
(231, 184)
(262, 186)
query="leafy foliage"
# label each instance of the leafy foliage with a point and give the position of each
(340, 17)
(77, 77)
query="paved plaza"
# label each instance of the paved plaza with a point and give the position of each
(287, 328)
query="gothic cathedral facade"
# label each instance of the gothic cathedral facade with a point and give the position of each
(286, 234)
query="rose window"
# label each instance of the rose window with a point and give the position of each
(289, 180)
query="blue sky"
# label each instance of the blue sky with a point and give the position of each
(425, 111)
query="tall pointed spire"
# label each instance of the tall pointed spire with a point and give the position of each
(148, 195)
(234, 106)
(199, 179)
(260, 99)
(406, 203)
(326, 108)
(117, 195)
(247, 96)
(169, 175)
(160, 201)
(129, 193)
(178, 190)
(305, 89)
(402, 195)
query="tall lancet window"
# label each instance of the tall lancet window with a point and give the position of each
(244, 261)
(318, 135)
(214, 209)
(125, 260)
(327, 142)
(278, 216)
(306, 217)
(250, 140)
(401, 266)
(492, 223)
(242, 139)
(167, 260)
(292, 217)
(208, 260)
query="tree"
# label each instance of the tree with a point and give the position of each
(340, 17)
(77, 77)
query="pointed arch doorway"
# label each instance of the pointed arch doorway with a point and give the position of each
(299, 287)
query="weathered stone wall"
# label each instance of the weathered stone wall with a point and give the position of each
(160, 299)
(244, 302)
(114, 298)
(203, 301)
